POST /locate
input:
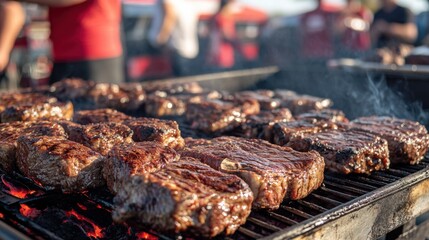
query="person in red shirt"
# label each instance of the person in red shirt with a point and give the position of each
(86, 40)
(317, 33)
(353, 29)
(223, 44)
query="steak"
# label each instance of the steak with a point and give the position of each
(100, 137)
(159, 106)
(99, 116)
(283, 132)
(261, 125)
(216, 116)
(263, 97)
(329, 115)
(71, 89)
(173, 87)
(301, 103)
(58, 163)
(165, 132)
(37, 111)
(185, 196)
(347, 151)
(125, 161)
(408, 141)
(10, 132)
(272, 172)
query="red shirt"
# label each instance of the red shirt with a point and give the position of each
(86, 31)
(358, 40)
(222, 55)
(316, 33)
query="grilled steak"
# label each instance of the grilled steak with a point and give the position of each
(159, 106)
(100, 137)
(10, 132)
(283, 132)
(55, 162)
(136, 96)
(37, 111)
(329, 115)
(408, 141)
(71, 89)
(185, 196)
(215, 116)
(165, 132)
(260, 125)
(346, 151)
(264, 98)
(173, 88)
(272, 172)
(125, 161)
(99, 116)
(301, 103)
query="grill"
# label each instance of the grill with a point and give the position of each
(355, 206)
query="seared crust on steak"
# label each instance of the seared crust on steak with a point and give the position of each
(99, 116)
(10, 132)
(283, 132)
(329, 115)
(185, 196)
(165, 132)
(125, 161)
(100, 137)
(301, 103)
(347, 151)
(71, 89)
(55, 162)
(37, 111)
(408, 141)
(271, 171)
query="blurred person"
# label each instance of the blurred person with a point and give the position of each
(12, 18)
(392, 25)
(422, 23)
(223, 43)
(175, 26)
(353, 29)
(86, 40)
(317, 33)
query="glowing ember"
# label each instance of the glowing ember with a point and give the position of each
(95, 232)
(1, 215)
(82, 207)
(16, 191)
(27, 211)
(145, 235)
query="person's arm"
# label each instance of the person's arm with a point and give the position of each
(404, 32)
(12, 19)
(54, 3)
(168, 23)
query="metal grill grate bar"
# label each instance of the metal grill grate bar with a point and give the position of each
(263, 224)
(336, 193)
(347, 188)
(312, 206)
(249, 233)
(296, 211)
(327, 200)
(349, 182)
(282, 218)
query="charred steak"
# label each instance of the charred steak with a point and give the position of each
(165, 132)
(124, 161)
(100, 137)
(185, 196)
(329, 115)
(99, 116)
(408, 141)
(10, 132)
(272, 172)
(38, 111)
(347, 151)
(283, 132)
(58, 163)
(261, 125)
(301, 103)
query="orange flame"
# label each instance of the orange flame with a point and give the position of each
(1, 215)
(82, 207)
(27, 211)
(15, 191)
(97, 232)
(145, 235)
